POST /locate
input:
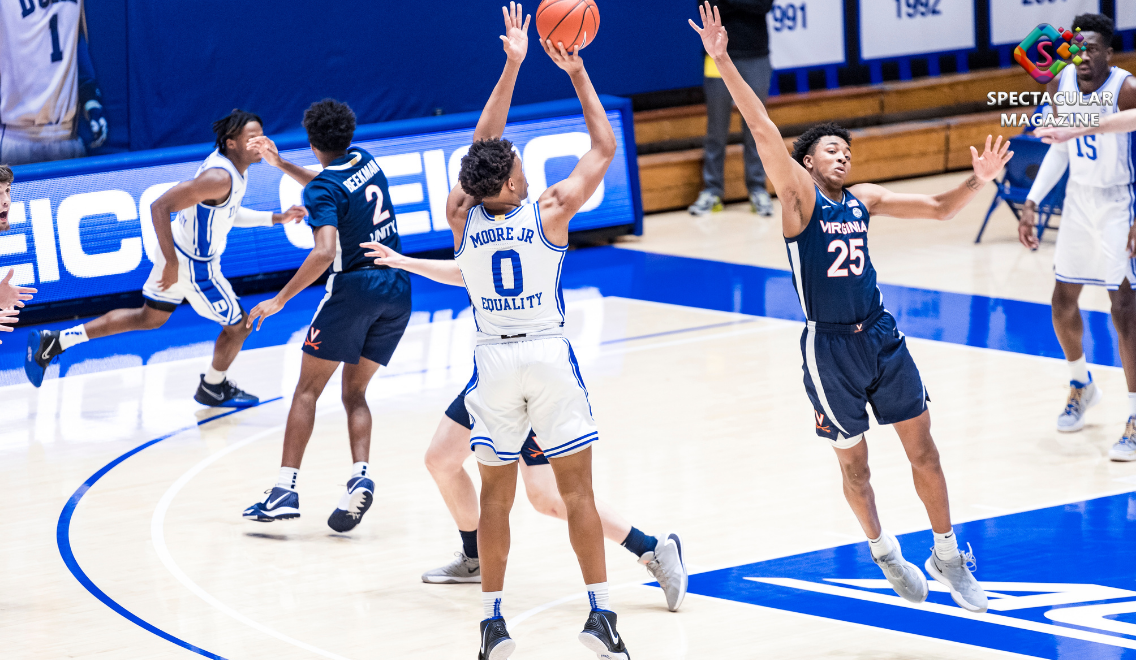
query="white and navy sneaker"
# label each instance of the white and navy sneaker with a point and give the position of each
(225, 394)
(956, 575)
(665, 563)
(461, 570)
(903, 576)
(1125, 449)
(281, 504)
(43, 347)
(495, 641)
(1082, 396)
(600, 636)
(354, 503)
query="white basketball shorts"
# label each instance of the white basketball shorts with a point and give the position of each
(199, 282)
(1092, 241)
(526, 384)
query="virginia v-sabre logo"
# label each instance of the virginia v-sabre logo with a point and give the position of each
(1052, 50)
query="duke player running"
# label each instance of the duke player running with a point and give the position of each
(1097, 241)
(853, 353)
(188, 265)
(525, 374)
(361, 318)
(449, 449)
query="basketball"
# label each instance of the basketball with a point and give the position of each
(571, 22)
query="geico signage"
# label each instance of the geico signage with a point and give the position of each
(100, 229)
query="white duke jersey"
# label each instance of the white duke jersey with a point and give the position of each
(39, 70)
(1102, 160)
(512, 274)
(202, 231)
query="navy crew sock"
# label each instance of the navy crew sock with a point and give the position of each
(469, 543)
(639, 543)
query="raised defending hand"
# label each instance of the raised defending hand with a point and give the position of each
(383, 255)
(570, 63)
(713, 35)
(990, 163)
(8, 317)
(12, 296)
(293, 214)
(516, 35)
(266, 149)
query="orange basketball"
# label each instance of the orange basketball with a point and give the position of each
(570, 22)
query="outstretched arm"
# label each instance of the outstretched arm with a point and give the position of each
(945, 205)
(1117, 122)
(496, 112)
(317, 262)
(266, 149)
(445, 271)
(791, 181)
(561, 201)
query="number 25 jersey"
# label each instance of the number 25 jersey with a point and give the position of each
(512, 273)
(832, 272)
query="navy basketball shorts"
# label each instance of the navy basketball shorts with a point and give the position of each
(848, 368)
(363, 314)
(531, 453)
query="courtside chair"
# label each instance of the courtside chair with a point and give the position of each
(1015, 185)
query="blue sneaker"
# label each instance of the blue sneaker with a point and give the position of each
(225, 394)
(354, 503)
(495, 641)
(281, 504)
(43, 347)
(600, 636)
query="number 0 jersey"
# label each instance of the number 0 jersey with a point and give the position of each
(512, 274)
(832, 271)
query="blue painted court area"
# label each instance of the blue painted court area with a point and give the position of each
(1061, 583)
(997, 323)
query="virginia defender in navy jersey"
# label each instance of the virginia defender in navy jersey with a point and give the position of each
(360, 320)
(854, 355)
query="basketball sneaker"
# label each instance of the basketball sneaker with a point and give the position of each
(495, 641)
(1082, 396)
(43, 347)
(600, 637)
(1125, 450)
(905, 577)
(956, 575)
(281, 504)
(463, 569)
(225, 394)
(706, 204)
(666, 565)
(760, 202)
(352, 505)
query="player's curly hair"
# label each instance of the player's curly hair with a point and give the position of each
(486, 168)
(1098, 23)
(6, 175)
(230, 126)
(806, 143)
(330, 125)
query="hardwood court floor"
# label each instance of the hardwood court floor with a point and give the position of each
(704, 426)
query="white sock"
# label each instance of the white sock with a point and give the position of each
(360, 469)
(946, 545)
(1132, 404)
(1079, 370)
(598, 596)
(491, 603)
(882, 546)
(214, 377)
(287, 478)
(72, 336)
